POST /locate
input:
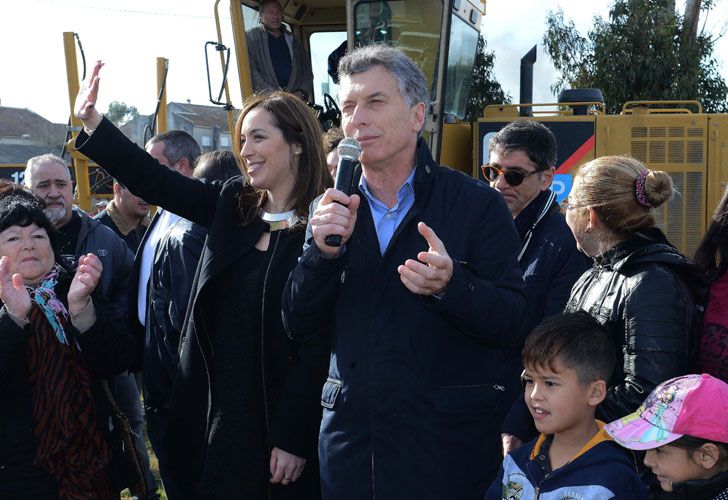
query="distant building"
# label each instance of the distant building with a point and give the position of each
(134, 129)
(207, 124)
(23, 127)
(23, 135)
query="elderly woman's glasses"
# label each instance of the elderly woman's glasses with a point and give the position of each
(513, 176)
(567, 205)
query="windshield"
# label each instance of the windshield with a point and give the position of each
(322, 44)
(460, 61)
(411, 25)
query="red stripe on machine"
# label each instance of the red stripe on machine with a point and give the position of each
(578, 155)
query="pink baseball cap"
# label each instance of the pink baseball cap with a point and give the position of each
(693, 405)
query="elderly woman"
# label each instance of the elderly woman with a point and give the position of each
(640, 287)
(55, 345)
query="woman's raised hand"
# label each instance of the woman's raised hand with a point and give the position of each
(86, 278)
(13, 292)
(85, 108)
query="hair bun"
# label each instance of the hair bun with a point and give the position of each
(658, 187)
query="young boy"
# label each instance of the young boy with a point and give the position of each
(568, 360)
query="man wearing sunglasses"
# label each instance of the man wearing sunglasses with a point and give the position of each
(521, 169)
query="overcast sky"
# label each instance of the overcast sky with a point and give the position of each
(129, 35)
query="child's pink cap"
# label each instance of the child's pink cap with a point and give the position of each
(693, 405)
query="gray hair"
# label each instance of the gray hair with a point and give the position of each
(412, 84)
(37, 161)
(178, 144)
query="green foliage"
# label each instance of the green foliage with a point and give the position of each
(484, 88)
(119, 113)
(637, 54)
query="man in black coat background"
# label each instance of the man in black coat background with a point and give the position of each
(178, 151)
(425, 301)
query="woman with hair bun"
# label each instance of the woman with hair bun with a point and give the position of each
(640, 287)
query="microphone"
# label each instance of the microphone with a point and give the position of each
(348, 151)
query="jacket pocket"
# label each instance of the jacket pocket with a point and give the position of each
(330, 392)
(468, 398)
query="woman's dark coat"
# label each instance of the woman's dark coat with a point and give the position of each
(108, 351)
(294, 372)
(645, 293)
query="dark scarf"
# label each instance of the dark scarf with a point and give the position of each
(70, 446)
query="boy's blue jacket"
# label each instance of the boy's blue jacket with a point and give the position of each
(601, 470)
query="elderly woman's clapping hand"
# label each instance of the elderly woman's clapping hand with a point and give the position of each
(12, 291)
(85, 280)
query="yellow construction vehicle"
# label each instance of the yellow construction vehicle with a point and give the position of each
(674, 136)
(441, 36)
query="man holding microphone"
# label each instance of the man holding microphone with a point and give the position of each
(424, 300)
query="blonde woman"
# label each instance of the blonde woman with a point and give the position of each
(640, 287)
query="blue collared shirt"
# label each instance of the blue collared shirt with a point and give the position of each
(386, 220)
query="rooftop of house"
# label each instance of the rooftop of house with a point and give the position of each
(20, 154)
(24, 123)
(200, 115)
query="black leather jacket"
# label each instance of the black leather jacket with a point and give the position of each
(648, 296)
(170, 285)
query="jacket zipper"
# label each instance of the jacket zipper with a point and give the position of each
(593, 276)
(206, 336)
(262, 335)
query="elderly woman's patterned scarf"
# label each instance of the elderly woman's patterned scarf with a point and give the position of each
(70, 445)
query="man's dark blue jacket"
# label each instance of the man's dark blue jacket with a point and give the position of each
(418, 386)
(550, 263)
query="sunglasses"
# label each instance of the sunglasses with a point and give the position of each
(513, 177)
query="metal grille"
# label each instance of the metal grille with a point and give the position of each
(676, 152)
(639, 150)
(639, 131)
(657, 152)
(696, 152)
(674, 217)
